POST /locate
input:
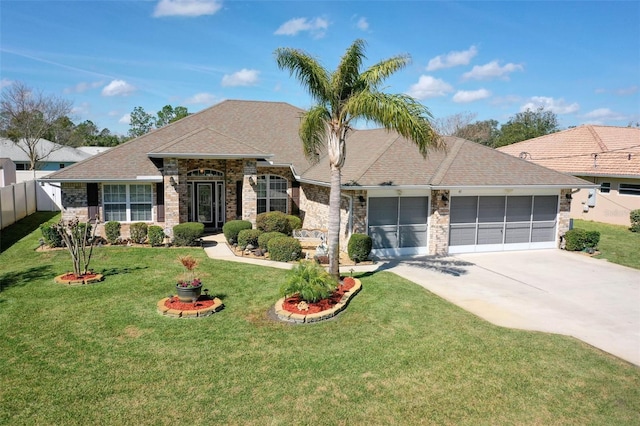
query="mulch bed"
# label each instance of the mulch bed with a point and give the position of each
(290, 304)
(202, 303)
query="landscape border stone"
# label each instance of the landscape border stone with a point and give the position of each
(189, 313)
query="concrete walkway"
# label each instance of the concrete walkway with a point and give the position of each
(544, 290)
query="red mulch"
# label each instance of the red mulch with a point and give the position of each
(73, 277)
(175, 303)
(290, 304)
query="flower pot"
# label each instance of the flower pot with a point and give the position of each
(187, 294)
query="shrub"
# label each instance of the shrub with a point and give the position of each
(248, 236)
(284, 249)
(50, 235)
(156, 235)
(273, 222)
(112, 231)
(294, 222)
(359, 247)
(308, 280)
(188, 233)
(578, 239)
(138, 232)
(635, 220)
(232, 228)
(265, 237)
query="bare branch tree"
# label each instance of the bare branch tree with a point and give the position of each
(452, 124)
(26, 116)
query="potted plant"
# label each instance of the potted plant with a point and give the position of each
(188, 287)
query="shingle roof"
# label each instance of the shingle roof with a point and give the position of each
(585, 151)
(380, 158)
(56, 153)
(269, 130)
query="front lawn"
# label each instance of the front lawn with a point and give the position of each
(101, 354)
(617, 243)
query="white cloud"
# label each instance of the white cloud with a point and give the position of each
(557, 106)
(362, 24)
(83, 87)
(605, 114)
(625, 91)
(125, 119)
(201, 98)
(492, 70)
(465, 96)
(506, 100)
(118, 88)
(429, 87)
(191, 8)
(244, 77)
(452, 59)
(5, 82)
(317, 27)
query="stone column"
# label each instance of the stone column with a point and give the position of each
(171, 180)
(439, 223)
(249, 188)
(564, 214)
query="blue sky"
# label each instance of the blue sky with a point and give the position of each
(493, 59)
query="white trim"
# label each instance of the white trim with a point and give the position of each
(405, 251)
(481, 248)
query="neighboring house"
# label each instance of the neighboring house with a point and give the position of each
(56, 157)
(606, 156)
(7, 172)
(241, 158)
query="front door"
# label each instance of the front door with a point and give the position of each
(206, 203)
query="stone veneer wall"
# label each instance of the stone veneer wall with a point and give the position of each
(439, 222)
(314, 211)
(564, 214)
(74, 201)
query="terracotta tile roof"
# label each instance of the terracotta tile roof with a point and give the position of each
(585, 151)
(269, 130)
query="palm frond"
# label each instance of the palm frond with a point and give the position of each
(379, 72)
(346, 76)
(307, 70)
(313, 130)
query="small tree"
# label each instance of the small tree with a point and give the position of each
(79, 239)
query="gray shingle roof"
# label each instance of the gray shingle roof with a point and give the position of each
(56, 153)
(269, 130)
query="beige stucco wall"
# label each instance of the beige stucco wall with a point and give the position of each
(611, 207)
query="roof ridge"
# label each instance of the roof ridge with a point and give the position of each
(599, 141)
(200, 130)
(448, 160)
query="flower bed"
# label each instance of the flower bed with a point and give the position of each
(72, 279)
(203, 307)
(288, 309)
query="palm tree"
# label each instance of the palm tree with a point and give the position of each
(343, 96)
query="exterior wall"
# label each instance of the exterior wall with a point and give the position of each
(564, 214)
(74, 201)
(314, 210)
(611, 207)
(439, 222)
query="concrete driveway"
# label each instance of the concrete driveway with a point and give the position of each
(546, 290)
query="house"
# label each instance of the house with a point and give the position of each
(241, 158)
(54, 157)
(607, 156)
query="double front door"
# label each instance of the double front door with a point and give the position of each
(206, 203)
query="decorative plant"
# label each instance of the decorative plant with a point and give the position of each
(79, 239)
(310, 281)
(189, 279)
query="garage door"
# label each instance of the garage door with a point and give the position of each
(496, 223)
(398, 225)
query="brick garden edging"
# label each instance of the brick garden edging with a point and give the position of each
(189, 313)
(287, 316)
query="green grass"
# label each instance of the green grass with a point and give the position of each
(101, 354)
(617, 243)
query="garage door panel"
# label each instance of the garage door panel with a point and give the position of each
(413, 236)
(490, 233)
(383, 211)
(383, 236)
(462, 235)
(543, 231)
(517, 233)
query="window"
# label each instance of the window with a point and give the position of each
(605, 187)
(127, 203)
(272, 194)
(629, 189)
(21, 166)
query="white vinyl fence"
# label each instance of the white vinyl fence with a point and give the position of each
(19, 200)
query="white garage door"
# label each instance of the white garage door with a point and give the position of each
(496, 223)
(398, 225)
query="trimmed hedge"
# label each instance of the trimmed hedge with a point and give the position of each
(294, 222)
(284, 249)
(138, 232)
(265, 237)
(156, 235)
(248, 236)
(188, 233)
(273, 222)
(50, 235)
(634, 216)
(359, 247)
(112, 231)
(232, 228)
(578, 239)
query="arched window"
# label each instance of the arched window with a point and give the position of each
(272, 194)
(205, 173)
